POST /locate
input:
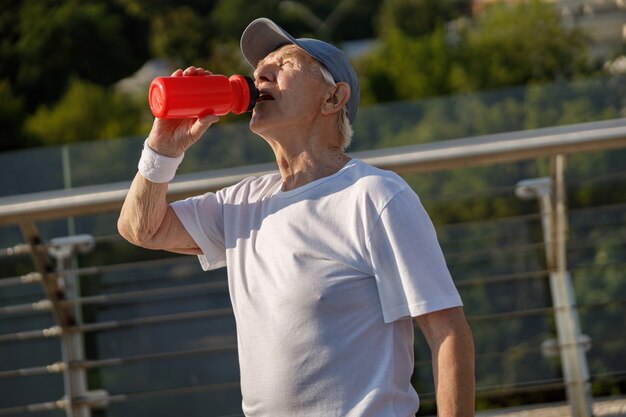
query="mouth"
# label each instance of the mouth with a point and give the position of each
(264, 96)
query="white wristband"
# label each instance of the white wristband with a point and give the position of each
(157, 168)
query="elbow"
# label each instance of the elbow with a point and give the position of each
(134, 234)
(125, 230)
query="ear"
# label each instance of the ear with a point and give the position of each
(336, 98)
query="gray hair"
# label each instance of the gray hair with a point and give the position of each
(345, 128)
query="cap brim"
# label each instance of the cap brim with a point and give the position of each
(261, 37)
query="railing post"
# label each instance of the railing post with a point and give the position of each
(573, 356)
(551, 195)
(72, 347)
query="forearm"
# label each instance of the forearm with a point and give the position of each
(453, 367)
(146, 218)
(144, 211)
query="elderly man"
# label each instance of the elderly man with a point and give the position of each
(328, 260)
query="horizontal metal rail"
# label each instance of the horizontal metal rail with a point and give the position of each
(56, 331)
(58, 367)
(35, 277)
(442, 155)
(136, 296)
(115, 398)
(30, 278)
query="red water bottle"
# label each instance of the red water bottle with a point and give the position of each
(197, 96)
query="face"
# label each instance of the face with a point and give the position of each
(291, 91)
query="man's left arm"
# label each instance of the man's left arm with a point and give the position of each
(452, 347)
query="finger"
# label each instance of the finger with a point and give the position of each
(190, 71)
(202, 124)
(177, 73)
(208, 119)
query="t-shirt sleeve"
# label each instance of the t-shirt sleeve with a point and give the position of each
(408, 263)
(203, 218)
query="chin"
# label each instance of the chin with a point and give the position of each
(259, 124)
(254, 125)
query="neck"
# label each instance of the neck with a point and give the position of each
(304, 160)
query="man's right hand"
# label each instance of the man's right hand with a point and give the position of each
(172, 137)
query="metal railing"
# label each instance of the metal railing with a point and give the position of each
(63, 300)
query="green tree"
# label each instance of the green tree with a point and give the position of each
(152, 8)
(507, 45)
(417, 17)
(50, 41)
(404, 67)
(12, 118)
(519, 44)
(88, 111)
(329, 20)
(230, 17)
(180, 34)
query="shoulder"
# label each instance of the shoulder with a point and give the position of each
(377, 182)
(250, 189)
(370, 190)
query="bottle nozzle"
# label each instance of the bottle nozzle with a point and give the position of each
(254, 93)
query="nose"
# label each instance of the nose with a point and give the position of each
(264, 73)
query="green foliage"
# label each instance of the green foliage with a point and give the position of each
(152, 8)
(11, 119)
(226, 58)
(417, 17)
(515, 45)
(102, 42)
(179, 34)
(230, 17)
(88, 111)
(330, 20)
(404, 67)
(508, 45)
(83, 39)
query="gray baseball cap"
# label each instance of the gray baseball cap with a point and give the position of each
(263, 36)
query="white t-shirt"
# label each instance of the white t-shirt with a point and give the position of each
(323, 281)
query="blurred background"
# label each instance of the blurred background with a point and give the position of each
(156, 334)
